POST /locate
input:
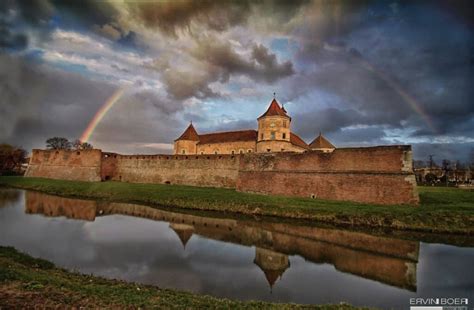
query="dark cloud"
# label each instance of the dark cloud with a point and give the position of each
(450, 151)
(402, 65)
(11, 39)
(182, 85)
(218, 63)
(37, 102)
(174, 16)
(261, 66)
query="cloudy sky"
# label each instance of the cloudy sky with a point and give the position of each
(362, 72)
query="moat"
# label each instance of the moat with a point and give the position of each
(230, 257)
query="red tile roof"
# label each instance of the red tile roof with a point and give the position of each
(274, 110)
(189, 134)
(321, 143)
(229, 136)
(296, 140)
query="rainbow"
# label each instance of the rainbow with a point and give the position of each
(101, 113)
(415, 106)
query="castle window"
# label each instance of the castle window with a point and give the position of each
(233, 152)
(284, 124)
(284, 135)
(249, 151)
(241, 151)
(215, 152)
(272, 135)
(202, 153)
(184, 151)
(269, 150)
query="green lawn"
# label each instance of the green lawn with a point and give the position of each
(27, 282)
(442, 210)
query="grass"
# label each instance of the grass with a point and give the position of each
(442, 210)
(27, 282)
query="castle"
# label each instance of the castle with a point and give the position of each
(273, 135)
(271, 160)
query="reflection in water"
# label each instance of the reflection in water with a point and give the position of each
(390, 261)
(8, 196)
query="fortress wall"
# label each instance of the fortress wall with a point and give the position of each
(197, 170)
(397, 158)
(48, 205)
(84, 165)
(381, 175)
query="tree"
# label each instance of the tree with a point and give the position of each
(446, 168)
(58, 143)
(430, 178)
(418, 164)
(79, 145)
(11, 158)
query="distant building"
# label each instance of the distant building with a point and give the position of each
(273, 135)
(322, 144)
(427, 175)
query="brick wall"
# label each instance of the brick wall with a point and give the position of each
(197, 170)
(380, 175)
(82, 165)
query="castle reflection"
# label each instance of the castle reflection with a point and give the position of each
(387, 260)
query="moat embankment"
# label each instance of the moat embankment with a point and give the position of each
(442, 210)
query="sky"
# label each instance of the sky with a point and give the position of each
(362, 72)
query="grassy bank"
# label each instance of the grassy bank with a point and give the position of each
(442, 210)
(26, 282)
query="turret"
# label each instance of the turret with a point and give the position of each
(321, 144)
(274, 129)
(187, 142)
(273, 264)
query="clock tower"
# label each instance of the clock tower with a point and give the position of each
(274, 130)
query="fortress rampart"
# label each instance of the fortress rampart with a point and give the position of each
(381, 175)
(65, 165)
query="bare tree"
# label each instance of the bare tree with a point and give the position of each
(11, 158)
(58, 143)
(79, 145)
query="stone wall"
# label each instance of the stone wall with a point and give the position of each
(82, 165)
(197, 170)
(380, 175)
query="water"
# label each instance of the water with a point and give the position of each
(235, 258)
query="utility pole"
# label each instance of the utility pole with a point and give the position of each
(431, 161)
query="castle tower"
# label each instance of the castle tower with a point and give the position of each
(322, 144)
(273, 264)
(184, 232)
(274, 130)
(187, 142)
